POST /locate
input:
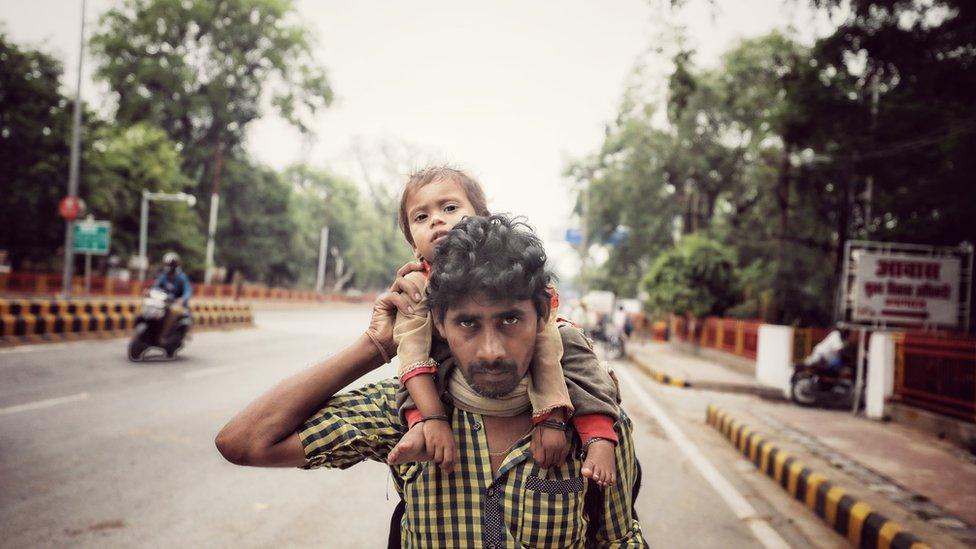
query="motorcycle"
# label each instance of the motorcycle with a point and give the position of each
(821, 385)
(149, 326)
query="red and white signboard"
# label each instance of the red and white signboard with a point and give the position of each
(901, 288)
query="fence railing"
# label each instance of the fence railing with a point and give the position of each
(738, 337)
(937, 373)
(50, 284)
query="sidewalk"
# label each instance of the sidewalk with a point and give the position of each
(931, 482)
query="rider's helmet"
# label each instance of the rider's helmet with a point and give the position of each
(171, 260)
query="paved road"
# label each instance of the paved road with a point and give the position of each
(98, 452)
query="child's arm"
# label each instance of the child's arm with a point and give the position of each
(412, 334)
(591, 388)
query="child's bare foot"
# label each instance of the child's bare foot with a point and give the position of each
(600, 464)
(411, 448)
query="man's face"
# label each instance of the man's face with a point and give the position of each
(492, 341)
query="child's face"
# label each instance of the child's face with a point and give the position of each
(433, 210)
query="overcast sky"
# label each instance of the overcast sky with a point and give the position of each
(508, 90)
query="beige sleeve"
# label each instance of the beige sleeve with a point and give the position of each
(413, 331)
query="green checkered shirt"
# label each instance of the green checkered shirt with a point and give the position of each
(524, 505)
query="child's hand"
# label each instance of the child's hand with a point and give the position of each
(440, 443)
(549, 446)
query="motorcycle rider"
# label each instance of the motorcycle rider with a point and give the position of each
(177, 285)
(829, 353)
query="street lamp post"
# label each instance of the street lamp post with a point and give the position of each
(144, 221)
(69, 258)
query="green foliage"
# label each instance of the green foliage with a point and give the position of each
(203, 70)
(34, 123)
(121, 162)
(254, 228)
(697, 276)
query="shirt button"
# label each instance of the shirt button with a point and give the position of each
(476, 426)
(490, 492)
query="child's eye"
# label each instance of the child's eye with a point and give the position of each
(419, 217)
(450, 208)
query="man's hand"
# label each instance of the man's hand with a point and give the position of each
(402, 295)
(440, 443)
(549, 447)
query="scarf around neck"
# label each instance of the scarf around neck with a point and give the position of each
(467, 399)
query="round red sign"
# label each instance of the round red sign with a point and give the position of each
(70, 207)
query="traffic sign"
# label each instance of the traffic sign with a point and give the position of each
(574, 236)
(92, 237)
(70, 207)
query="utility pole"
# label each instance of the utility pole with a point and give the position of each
(323, 256)
(69, 230)
(214, 204)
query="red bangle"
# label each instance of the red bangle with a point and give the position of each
(386, 357)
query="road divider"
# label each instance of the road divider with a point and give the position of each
(660, 377)
(40, 320)
(846, 514)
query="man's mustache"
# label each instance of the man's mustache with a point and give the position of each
(493, 367)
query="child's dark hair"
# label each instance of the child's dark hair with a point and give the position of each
(472, 189)
(495, 256)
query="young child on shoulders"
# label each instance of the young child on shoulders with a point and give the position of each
(434, 200)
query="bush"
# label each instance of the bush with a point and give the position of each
(697, 276)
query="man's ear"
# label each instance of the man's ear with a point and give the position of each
(438, 321)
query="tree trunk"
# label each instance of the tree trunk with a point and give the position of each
(783, 184)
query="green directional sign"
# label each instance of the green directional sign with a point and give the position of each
(92, 237)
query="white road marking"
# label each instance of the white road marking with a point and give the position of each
(742, 509)
(206, 372)
(43, 404)
(32, 347)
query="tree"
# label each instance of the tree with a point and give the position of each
(203, 70)
(255, 228)
(120, 163)
(34, 124)
(696, 277)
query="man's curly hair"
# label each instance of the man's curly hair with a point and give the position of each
(497, 256)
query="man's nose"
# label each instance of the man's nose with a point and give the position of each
(490, 347)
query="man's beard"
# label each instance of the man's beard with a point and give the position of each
(493, 389)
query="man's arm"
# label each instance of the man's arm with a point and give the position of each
(187, 289)
(264, 433)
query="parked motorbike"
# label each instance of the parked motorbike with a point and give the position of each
(149, 326)
(821, 385)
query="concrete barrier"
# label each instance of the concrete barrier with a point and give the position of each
(880, 375)
(38, 320)
(849, 516)
(774, 357)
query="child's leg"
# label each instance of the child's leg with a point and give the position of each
(549, 397)
(547, 386)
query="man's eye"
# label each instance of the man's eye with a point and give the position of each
(509, 321)
(466, 323)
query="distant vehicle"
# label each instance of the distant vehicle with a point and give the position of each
(149, 327)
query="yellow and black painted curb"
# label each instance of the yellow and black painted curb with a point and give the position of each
(851, 517)
(659, 376)
(39, 320)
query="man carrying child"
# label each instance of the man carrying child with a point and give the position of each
(487, 293)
